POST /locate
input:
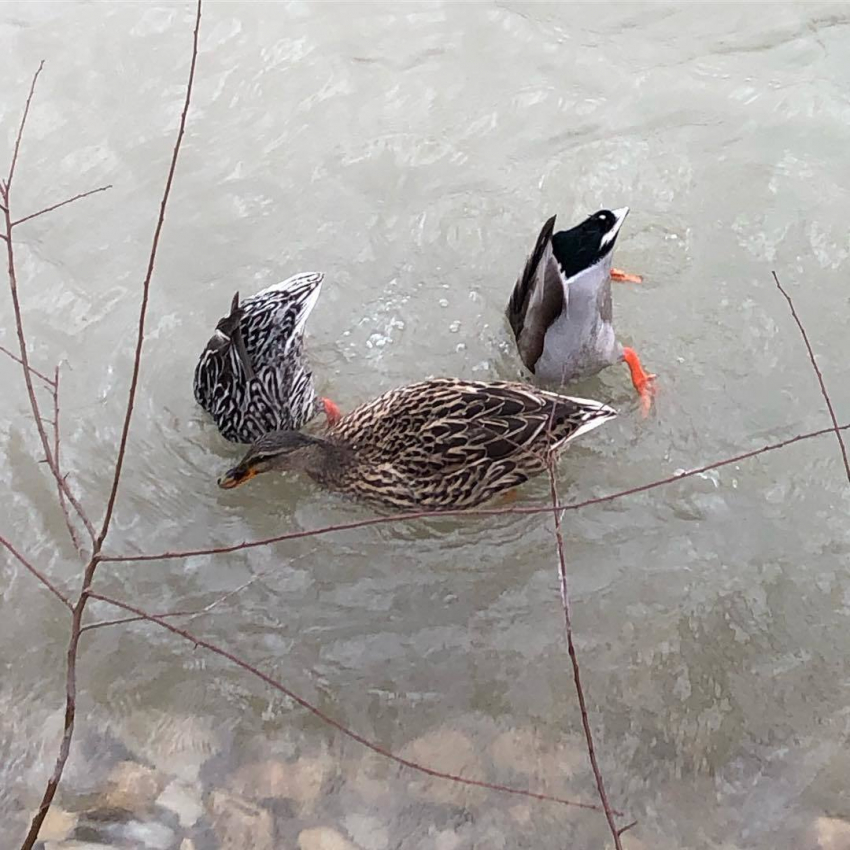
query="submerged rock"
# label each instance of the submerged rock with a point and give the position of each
(133, 787)
(369, 778)
(101, 827)
(239, 824)
(369, 832)
(448, 751)
(323, 838)
(58, 824)
(300, 781)
(548, 765)
(184, 800)
(831, 834)
(175, 745)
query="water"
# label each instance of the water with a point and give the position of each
(411, 152)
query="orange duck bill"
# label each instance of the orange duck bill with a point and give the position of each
(643, 382)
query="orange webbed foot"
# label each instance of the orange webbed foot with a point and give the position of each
(332, 413)
(624, 277)
(643, 381)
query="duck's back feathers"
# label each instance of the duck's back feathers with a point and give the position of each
(252, 376)
(455, 443)
(538, 298)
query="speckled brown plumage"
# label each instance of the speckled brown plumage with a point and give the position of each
(437, 444)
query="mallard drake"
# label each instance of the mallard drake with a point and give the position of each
(252, 377)
(438, 444)
(560, 307)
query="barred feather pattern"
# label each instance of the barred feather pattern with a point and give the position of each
(448, 443)
(280, 395)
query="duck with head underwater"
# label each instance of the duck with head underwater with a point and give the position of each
(560, 309)
(252, 376)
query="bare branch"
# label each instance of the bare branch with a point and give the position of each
(477, 512)
(325, 718)
(146, 284)
(571, 649)
(48, 381)
(56, 437)
(24, 361)
(38, 574)
(91, 567)
(60, 204)
(120, 621)
(819, 374)
(8, 185)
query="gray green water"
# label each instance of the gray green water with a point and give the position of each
(411, 152)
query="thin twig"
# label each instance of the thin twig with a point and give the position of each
(146, 285)
(192, 615)
(819, 374)
(121, 621)
(48, 381)
(56, 436)
(325, 718)
(38, 574)
(19, 326)
(60, 204)
(91, 567)
(627, 827)
(571, 649)
(477, 512)
(8, 185)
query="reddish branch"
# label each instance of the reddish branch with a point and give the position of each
(5, 190)
(571, 649)
(326, 718)
(190, 614)
(38, 574)
(48, 381)
(146, 285)
(819, 374)
(60, 204)
(61, 495)
(479, 512)
(89, 572)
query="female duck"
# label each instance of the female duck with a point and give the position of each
(252, 376)
(444, 444)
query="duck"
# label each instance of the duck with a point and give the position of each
(438, 444)
(560, 308)
(252, 376)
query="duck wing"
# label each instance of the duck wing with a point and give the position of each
(538, 298)
(439, 425)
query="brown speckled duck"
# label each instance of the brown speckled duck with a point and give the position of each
(443, 443)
